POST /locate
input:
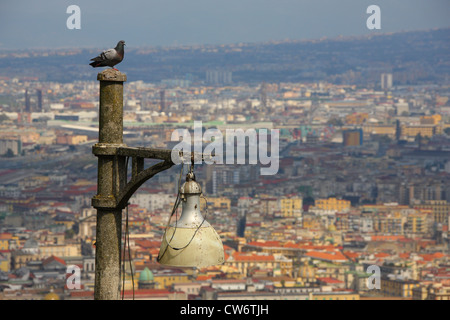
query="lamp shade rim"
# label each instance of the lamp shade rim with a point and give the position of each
(191, 247)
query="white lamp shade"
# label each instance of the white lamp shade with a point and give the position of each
(191, 241)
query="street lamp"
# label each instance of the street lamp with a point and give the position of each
(114, 191)
(191, 241)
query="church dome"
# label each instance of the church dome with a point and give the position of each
(51, 296)
(146, 275)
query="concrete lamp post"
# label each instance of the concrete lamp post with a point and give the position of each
(113, 189)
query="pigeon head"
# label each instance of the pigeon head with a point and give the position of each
(120, 44)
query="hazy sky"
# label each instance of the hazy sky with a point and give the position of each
(42, 23)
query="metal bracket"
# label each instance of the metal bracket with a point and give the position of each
(125, 189)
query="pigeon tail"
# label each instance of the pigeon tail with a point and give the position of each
(94, 64)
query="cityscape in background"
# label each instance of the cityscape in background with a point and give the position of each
(363, 179)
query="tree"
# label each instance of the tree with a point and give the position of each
(306, 191)
(447, 131)
(384, 139)
(308, 202)
(9, 153)
(3, 117)
(69, 234)
(335, 122)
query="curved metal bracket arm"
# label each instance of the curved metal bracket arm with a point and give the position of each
(137, 180)
(122, 190)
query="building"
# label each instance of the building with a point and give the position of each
(356, 118)
(167, 277)
(401, 108)
(244, 261)
(190, 288)
(151, 199)
(334, 295)
(87, 224)
(60, 250)
(431, 291)
(375, 129)
(332, 205)
(39, 100)
(386, 81)
(424, 130)
(417, 224)
(5, 240)
(219, 178)
(420, 292)
(223, 203)
(162, 98)
(10, 146)
(71, 140)
(219, 77)
(136, 294)
(20, 258)
(27, 102)
(352, 137)
(291, 207)
(433, 120)
(389, 223)
(395, 287)
(440, 208)
(268, 206)
(439, 293)
(5, 260)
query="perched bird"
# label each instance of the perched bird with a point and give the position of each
(110, 57)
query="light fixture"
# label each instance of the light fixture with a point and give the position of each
(190, 241)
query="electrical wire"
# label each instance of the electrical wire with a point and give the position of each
(193, 236)
(122, 256)
(130, 259)
(127, 240)
(124, 243)
(174, 209)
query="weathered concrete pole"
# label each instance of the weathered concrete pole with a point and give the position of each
(113, 189)
(111, 178)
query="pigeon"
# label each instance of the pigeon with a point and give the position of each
(110, 57)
